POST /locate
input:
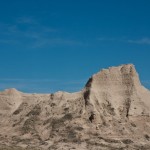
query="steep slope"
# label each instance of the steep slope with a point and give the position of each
(111, 112)
(117, 92)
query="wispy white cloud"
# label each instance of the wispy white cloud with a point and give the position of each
(41, 85)
(26, 20)
(112, 39)
(41, 80)
(144, 41)
(27, 80)
(7, 41)
(56, 41)
(140, 41)
(106, 39)
(34, 34)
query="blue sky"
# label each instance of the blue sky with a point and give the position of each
(46, 46)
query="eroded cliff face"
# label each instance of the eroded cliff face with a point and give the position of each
(116, 93)
(111, 112)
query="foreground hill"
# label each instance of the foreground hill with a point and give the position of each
(112, 112)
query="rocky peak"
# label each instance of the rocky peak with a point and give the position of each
(116, 91)
(121, 75)
(12, 92)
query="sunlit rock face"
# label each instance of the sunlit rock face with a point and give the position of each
(117, 92)
(111, 112)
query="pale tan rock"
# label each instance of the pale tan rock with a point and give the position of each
(111, 112)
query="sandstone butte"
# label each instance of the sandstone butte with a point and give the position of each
(112, 112)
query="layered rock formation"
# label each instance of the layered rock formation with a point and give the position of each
(111, 112)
